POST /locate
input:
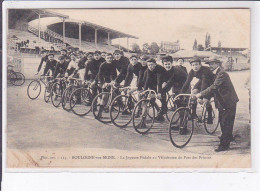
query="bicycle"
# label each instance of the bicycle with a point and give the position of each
(72, 84)
(121, 108)
(102, 102)
(181, 126)
(144, 112)
(81, 99)
(57, 90)
(13, 77)
(34, 88)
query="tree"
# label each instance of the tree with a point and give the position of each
(206, 41)
(146, 48)
(195, 45)
(154, 48)
(136, 48)
(200, 47)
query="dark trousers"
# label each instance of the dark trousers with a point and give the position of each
(227, 118)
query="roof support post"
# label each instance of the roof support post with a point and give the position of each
(80, 34)
(127, 40)
(63, 21)
(119, 43)
(39, 28)
(96, 38)
(108, 39)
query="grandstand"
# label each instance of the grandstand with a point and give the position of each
(86, 36)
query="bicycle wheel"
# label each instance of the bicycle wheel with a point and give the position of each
(19, 80)
(143, 116)
(171, 107)
(181, 127)
(56, 94)
(81, 101)
(100, 107)
(210, 125)
(121, 110)
(12, 78)
(34, 89)
(65, 99)
(47, 92)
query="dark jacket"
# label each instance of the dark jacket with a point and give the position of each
(223, 90)
(107, 72)
(205, 76)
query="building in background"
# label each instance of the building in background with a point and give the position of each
(170, 47)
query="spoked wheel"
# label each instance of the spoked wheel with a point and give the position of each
(181, 127)
(143, 116)
(100, 107)
(47, 92)
(81, 101)
(171, 107)
(56, 94)
(121, 110)
(34, 89)
(65, 101)
(19, 80)
(210, 117)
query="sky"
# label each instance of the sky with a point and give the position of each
(230, 26)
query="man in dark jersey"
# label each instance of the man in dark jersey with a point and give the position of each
(156, 75)
(106, 74)
(97, 58)
(134, 68)
(206, 78)
(60, 67)
(121, 63)
(180, 64)
(63, 53)
(50, 65)
(177, 76)
(43, 59)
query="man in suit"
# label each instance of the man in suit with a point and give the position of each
(225, 100)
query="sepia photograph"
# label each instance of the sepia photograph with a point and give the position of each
(128, 89)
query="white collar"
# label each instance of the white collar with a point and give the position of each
(215, 71)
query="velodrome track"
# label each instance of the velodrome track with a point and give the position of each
(34, 125)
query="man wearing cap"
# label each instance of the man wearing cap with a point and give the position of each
(43, 59)
(225, 100)
(60, 67)
(50, 64)
(206, 78)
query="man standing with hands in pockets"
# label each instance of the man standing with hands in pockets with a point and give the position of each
(225, 100)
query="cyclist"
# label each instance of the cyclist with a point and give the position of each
(206, 78)
(103, 55)
(60, 67)
(176, 75)
(44, 58)
(106, 74)
(50, 64)
(63, 53)
(180, 64)
(72, 66)
(155, 76)
(121, 63)
(98, 59)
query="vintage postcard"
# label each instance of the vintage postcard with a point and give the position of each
(128, 89)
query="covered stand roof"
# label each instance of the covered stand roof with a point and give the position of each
(87, 27)
(26, 15)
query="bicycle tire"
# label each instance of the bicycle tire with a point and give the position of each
(139, 125)
(205, 120)
(83, 92)
(66, 97)
(174, 128)
(95, 104)
(19, 76)
(171, 107)
(36, 86)
(128, 110)
(56, 87)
